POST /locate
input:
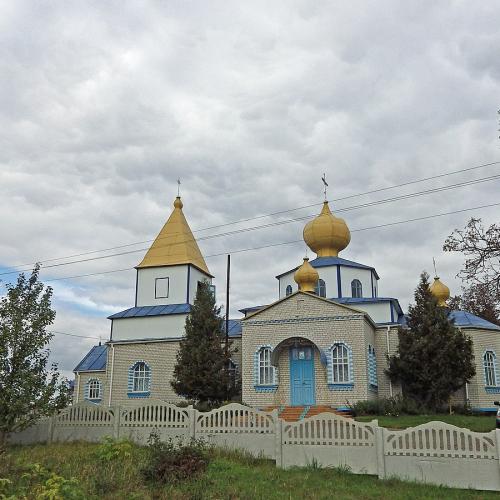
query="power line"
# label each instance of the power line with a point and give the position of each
(74, 335)
(278, 223)
(454, 172)
(379, 226)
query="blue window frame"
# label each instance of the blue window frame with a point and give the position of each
(93, 390)
(139, 380)
(356, 289)
(490, 372)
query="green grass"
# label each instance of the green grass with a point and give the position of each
(229, 476)
(474, 423)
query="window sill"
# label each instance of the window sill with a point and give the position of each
(95, 401)
(144, 394)
(265, 388)
(492, 389)
(341, 387)
(373, 387)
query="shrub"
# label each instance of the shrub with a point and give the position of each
(111, 450)
(394, 406)
(170, 462)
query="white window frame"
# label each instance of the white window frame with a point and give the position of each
(341, 370)
(94, 389)
(141, 377)
(489, 367)
(265, 370)
(157, 295)
(359, 288)
(321, 288)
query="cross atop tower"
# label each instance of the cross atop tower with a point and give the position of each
(178, 186)
(325, 184)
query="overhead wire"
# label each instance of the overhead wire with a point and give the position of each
(407, 183)
(379, 226)
(277, 223)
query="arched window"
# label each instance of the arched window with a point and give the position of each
(357, 289)
(320, 288)
(340, 364)
(265, 370)
(93, 390)
(141, 377)
(288, 290)
(489, 360)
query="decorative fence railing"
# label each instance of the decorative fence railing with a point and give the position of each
(435, 452)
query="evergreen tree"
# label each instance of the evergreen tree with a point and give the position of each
(202, 370)
(434, 358)
(28, 389)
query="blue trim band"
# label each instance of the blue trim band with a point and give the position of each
(265, 388)
(341, 387)
(135, 395)
(484, 410)
(492, 390)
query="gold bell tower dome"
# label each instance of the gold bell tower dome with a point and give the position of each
(327, 235)
(440, 291)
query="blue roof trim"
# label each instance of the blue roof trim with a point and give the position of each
(333, 261)
(251, 309)
(466, 319)
(370, 300)
(141, 312)
(95, 360)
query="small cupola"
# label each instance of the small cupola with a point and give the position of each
(440, 291)
(306, 277)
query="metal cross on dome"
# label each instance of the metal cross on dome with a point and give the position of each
(324, 183)
(178, 186)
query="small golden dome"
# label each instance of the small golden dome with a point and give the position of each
(327, 235)
(178, 203)
(440, 291)
(306, 277)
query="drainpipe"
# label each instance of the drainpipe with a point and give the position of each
(111, 375)
(466, 383)
(77, 386)
(388, 351)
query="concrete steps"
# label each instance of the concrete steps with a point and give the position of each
(295, 413)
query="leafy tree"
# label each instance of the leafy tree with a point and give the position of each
(478, 300)
(28, 389)
(202, 370)
(481, 248)
(434, 358)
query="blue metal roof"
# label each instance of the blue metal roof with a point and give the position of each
(247, 310)
(140, 312)
(334, 261)
(234, 327)
(95, 360)
(467, 319)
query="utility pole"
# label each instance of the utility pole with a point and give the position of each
(227, 302)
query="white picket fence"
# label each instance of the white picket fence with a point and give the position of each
(434, 452)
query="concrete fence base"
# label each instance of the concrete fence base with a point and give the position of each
(435, 452)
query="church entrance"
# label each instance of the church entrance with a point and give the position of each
(301, 376)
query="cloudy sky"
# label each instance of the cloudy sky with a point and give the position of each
(103, 105)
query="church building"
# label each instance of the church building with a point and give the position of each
(324, 342)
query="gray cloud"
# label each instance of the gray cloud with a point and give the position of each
(104, 105)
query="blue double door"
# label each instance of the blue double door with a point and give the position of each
(301, 376)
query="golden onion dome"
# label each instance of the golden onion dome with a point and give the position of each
(440, 291)
(306, 277)
(327, 235)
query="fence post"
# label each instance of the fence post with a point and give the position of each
(497, 434)
(192, 414)
(117, 414)
(278, 438)
(50, 430)
(380, 435)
